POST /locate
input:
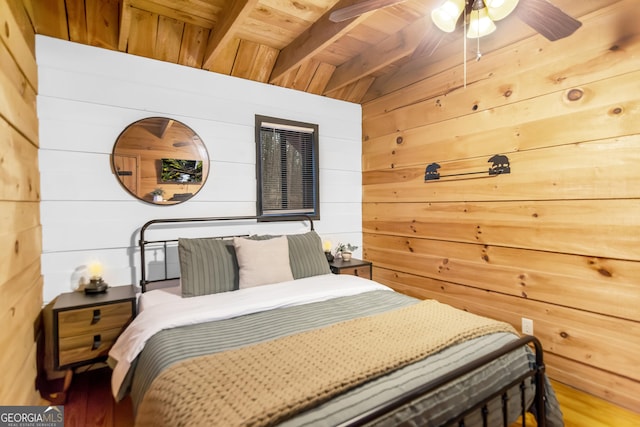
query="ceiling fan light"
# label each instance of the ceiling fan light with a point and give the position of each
(480, 24)
(446, 16)
(500, 9)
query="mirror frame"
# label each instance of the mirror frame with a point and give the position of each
(157, 155)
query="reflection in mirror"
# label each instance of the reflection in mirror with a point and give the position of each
(160, 161)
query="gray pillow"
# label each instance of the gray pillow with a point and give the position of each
(207, 266)
(306, 255)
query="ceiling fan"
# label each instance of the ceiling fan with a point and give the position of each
(540, 15)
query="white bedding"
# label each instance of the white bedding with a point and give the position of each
(162, 309)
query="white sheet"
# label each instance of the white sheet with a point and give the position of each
(158, 296)
(164, 310)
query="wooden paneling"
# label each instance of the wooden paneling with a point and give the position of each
(623, 391)
(194, 42)
(23, 239)
(528, 69)
(320, 78)
(20, 278)
(50, 18)
(143, 33)
(169, 39)
(102, 23)
(555, 240)
(18, 83)
(18, 358)
(374, 54)
(445, 57)
(564, 331)
(592, 284)
(23, 16)
(251, 61)
(546, 173)
(547, 225)
(76, 18)
(19, 178)
(197, 12)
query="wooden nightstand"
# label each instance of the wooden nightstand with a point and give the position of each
(86, 326)
(355, 267)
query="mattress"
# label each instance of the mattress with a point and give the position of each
(274, 311)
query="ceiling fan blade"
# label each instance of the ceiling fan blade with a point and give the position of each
(547, 19)
(358, 9)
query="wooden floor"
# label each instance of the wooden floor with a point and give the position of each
(89, 404)
(583, 410)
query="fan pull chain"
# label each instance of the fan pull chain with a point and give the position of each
(464, 45)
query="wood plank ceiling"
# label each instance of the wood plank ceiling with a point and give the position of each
(289, 43)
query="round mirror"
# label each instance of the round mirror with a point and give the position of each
(160, 161)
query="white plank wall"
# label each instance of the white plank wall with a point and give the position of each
(88, 95)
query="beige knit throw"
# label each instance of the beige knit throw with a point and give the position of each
(265, 383)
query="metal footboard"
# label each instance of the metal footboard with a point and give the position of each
(537, 372)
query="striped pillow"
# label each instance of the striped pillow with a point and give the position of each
(207, 266)
(306, 255)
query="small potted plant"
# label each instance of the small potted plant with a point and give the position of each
(157, 194)
(345, 250)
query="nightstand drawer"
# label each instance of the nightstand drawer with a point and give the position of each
(86, 347)
(362, 271)
(84, 327)
(92, 320)
(354, 267)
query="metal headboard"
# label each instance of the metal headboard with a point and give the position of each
(142, 242)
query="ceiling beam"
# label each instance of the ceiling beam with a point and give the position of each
(225, 29)
(313, 40)
(393, 48)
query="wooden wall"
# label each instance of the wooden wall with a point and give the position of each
(557, 239)
(20, 278)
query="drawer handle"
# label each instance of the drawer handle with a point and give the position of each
(97, 340)
(356, 272)
(96, 316)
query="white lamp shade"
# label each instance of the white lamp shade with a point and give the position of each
(480, 24)
(95, 269)
(500, 9)
(446, 16)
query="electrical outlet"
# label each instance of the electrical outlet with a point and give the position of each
(527, 326)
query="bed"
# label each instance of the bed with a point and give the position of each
(257, 331)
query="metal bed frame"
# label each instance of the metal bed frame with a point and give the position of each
(536, 372)
(143, 243)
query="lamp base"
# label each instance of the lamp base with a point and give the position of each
(96, 286)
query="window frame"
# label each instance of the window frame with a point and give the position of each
(260, 120)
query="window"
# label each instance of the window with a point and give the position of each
(287, 168)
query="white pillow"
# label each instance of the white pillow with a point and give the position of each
(262, 262)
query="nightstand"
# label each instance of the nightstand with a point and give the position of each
(355, 267)
(86, 326)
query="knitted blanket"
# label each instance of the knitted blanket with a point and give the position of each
(265, 383)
